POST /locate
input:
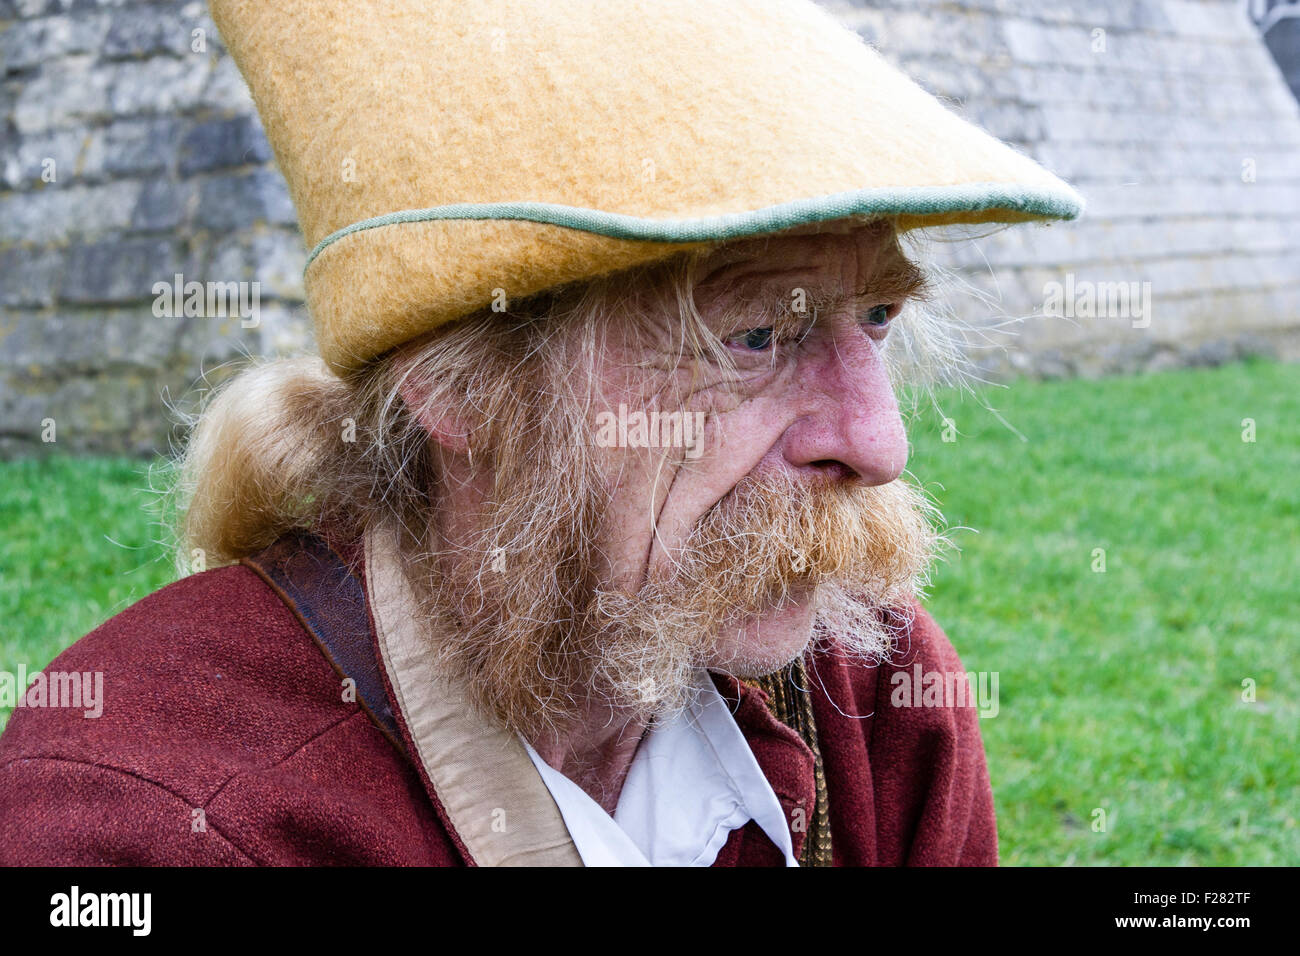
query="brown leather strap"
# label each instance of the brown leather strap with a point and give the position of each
(328, 599)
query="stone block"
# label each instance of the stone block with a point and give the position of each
(132, 146)
(160, 84)
(29, 276)
(164, 204)
(218, 144)
(72, 91)
(26, 44)
(153, 29)
(89, 341)
(235, 201)
(53, 156)
(60, 212)
(118, 270)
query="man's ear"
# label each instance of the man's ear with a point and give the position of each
(443, 426)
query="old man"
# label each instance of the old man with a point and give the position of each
(451, 615)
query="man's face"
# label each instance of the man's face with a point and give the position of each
(603, 572)
(808, 406)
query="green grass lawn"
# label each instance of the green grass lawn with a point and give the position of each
(1123, 690)
(1119, 690)
(77, 545)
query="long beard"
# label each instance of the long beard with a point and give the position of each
(542, 646)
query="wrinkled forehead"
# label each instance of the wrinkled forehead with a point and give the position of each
(826, 257)
(872, 243)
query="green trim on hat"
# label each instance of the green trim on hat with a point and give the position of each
(900, 200)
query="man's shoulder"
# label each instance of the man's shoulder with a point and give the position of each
(225, 736)
(918, 705)
(922, 641)
(904, 757)
(206, 676)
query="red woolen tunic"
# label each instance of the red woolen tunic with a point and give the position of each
(217, 699)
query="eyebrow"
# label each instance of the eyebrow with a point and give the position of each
(774, 298)
(901, 279)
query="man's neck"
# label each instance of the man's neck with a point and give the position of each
(597, 761)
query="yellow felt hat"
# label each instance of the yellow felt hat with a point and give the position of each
(438, 151)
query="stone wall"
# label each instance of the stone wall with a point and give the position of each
(1175, 123)
(129, 153)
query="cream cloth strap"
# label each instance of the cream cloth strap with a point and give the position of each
(492, 793)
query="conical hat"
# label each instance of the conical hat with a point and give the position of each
(445, 153)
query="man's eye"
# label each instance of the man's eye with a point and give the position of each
(879, 316)
(756, 340)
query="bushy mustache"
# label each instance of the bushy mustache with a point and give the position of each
(852, 549)
(774, 537)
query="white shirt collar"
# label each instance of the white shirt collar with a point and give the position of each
(692, 781)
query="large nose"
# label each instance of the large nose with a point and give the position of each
(847, 425)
